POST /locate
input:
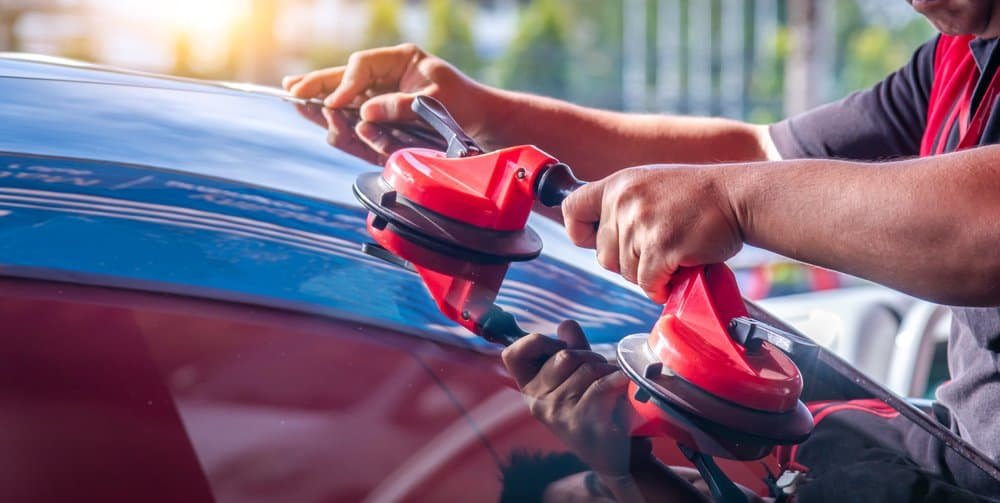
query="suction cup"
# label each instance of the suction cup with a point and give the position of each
(677, 396)
(441, 233)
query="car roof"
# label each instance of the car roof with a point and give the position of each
(226, 192)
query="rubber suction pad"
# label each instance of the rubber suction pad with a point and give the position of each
(642, 367)
(440, 233)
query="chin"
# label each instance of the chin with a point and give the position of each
(961, 17)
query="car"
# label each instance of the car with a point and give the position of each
(187, 314)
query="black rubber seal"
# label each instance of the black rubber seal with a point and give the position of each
(781, 428)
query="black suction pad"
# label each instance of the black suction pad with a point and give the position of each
(440, 233)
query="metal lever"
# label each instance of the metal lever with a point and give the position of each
(436, 115)
(721, 486)
(750, 333)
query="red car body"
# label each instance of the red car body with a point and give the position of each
(185, 314)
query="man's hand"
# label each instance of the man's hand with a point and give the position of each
(646, 222)
(578, 395)
(383, 83)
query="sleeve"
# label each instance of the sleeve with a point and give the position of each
(882, 122)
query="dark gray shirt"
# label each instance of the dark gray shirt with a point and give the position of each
(888, 121)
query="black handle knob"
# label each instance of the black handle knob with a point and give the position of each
(499, 326)
(555, 184)
(436, 115)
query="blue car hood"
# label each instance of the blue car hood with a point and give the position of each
(206, 189)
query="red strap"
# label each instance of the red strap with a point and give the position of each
(786, 454)
(955, 75)
(954, 69)
(974, 132)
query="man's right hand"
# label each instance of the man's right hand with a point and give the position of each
(383, 82)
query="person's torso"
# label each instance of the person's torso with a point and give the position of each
(964, 112)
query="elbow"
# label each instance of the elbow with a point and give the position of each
(975, 286)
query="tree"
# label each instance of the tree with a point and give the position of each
(383, 25)
(450, 36)
(872, 43)
(596, 49)
(538, 59)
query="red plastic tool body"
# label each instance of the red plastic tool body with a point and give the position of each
(463, 290)
(692, 340)
(492, 191)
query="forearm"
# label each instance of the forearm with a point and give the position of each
(597, 143)
(929, 227)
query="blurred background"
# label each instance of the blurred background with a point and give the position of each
(750, 59)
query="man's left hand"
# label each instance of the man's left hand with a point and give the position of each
(645, 222)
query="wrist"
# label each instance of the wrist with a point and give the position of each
(736, 183)
(495, 109)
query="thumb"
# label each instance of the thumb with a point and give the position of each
(654, 274)
(572, 334)
(582, 212)
(390, 107)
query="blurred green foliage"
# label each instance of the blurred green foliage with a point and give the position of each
(450, 36)
(383, 23)
(574, 50)
(870, 47)
(538, 60)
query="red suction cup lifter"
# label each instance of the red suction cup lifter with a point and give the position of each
(492, 191)
(463, 290)
(693, 381)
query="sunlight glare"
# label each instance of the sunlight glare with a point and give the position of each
(201, 17)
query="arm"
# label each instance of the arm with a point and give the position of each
(597, 143)
(383, 82)
(929, 227)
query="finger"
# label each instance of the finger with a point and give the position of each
(557, 369)
(390, 107)
(377, 138)
(607, 242)
(654, 272)
(606, 390)
(580, 381)
(318, 83)
(341, 135)
(628, 259)
(609, 393)
(290, 80)
(374, 68)
(581, 211)
(526, 356)
(572, 334)
(312, 113)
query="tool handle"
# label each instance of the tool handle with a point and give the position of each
(555, 184)
(499, 326)
(719, 484)
(436, 115)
